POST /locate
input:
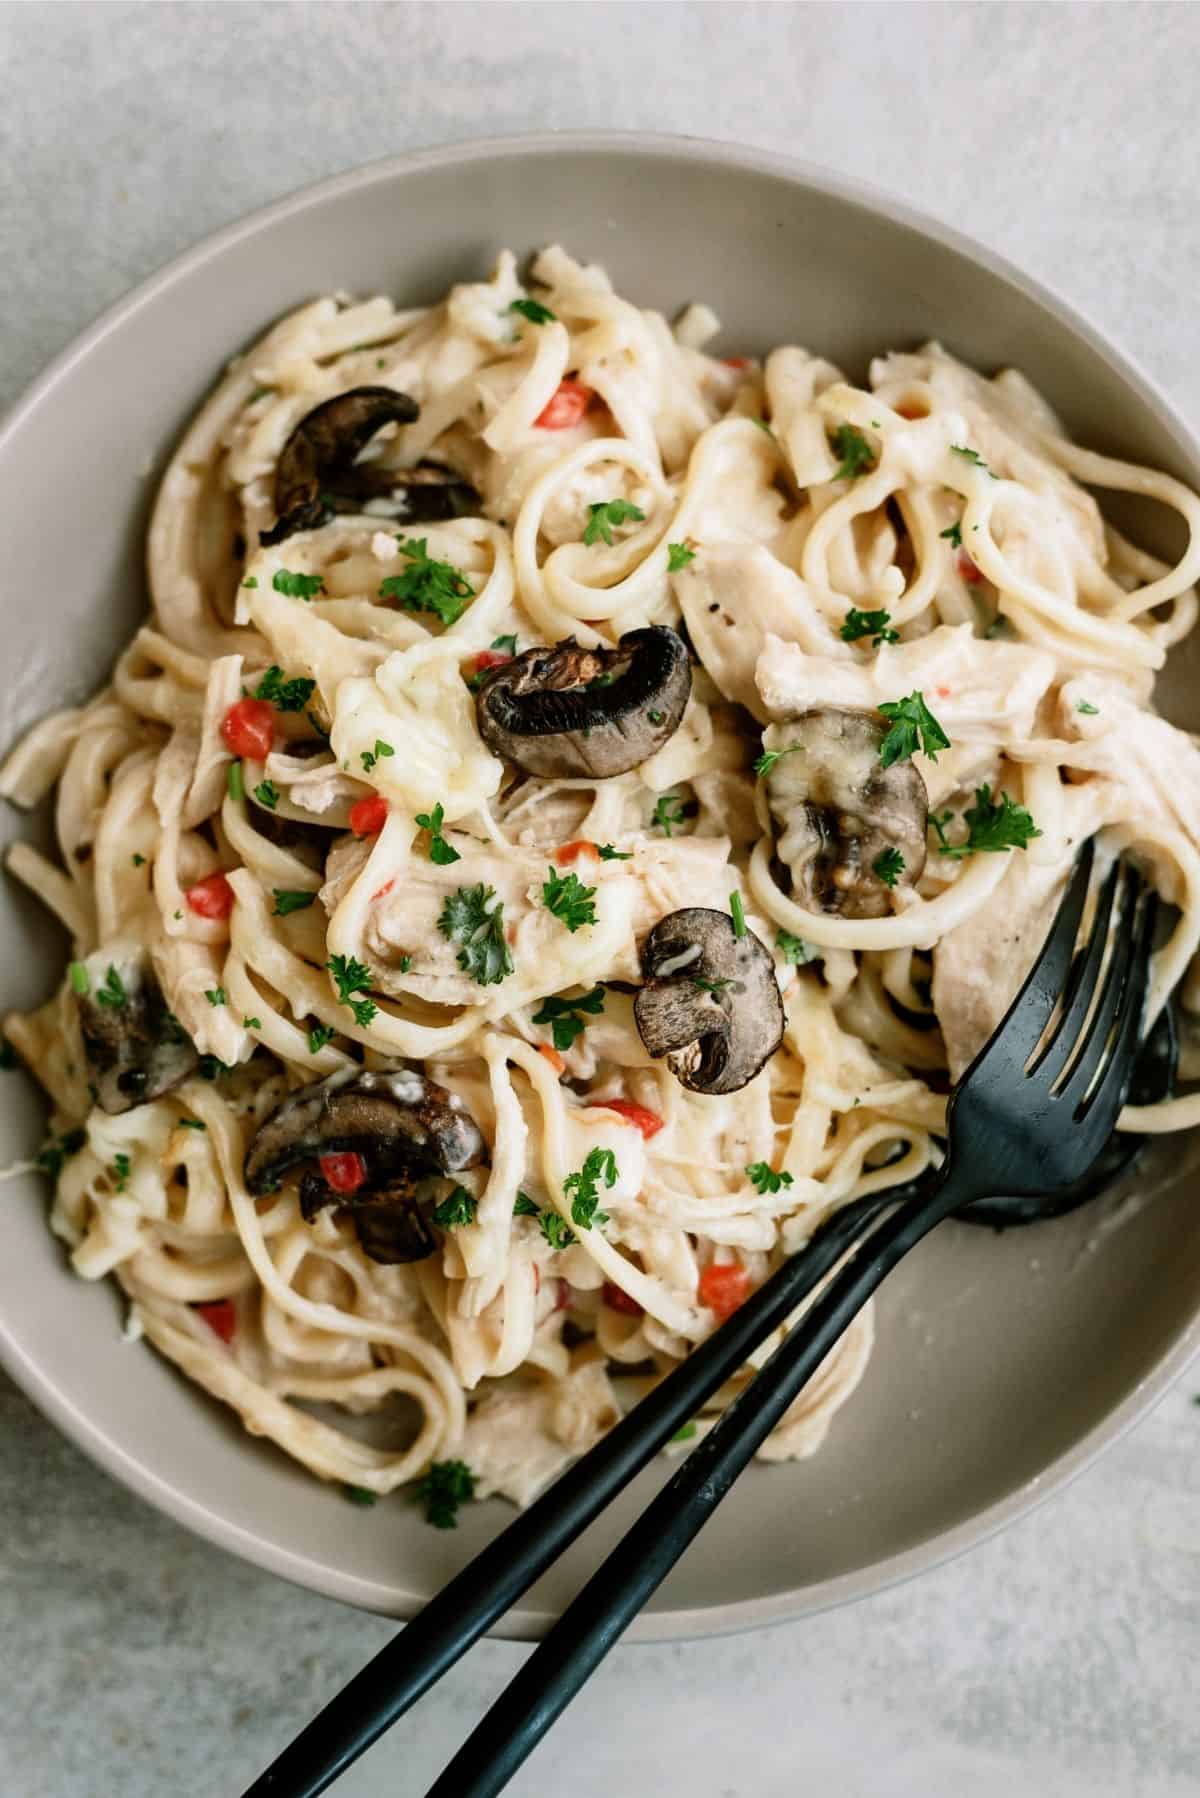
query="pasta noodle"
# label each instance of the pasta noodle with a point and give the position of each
(287, 899)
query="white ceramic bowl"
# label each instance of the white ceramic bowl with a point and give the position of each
(1003, 1363)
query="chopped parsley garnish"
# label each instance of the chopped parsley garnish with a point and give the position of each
(608, 512)
(764, 427)
(287, 901)
(888, 866)
(120, 1167)
(139, 861)
(112, 994)
(764, 1178)
(250, 581)
(285, 695)
(769, 757)
(913, 725)
(235, 782)
(970, 455)
(678, 556)
(685, 1434)
(572, 903)
(440, 851)
(267, 794)
(52, 1155)
(607, 853)
(369, 757)
(474, 917)
(563, 1015)
(428, 586)
(297, 586)
(953, 535)
(582, 1188)
(715, 987)
(216, 995)
(77, 974)
(854, 453)
(794, 950)
(358, 1495)
(446, 1486)
(352, 976)
(192, 1124)
(319, 1036)
(656, 717)
(991, 828)
(211, 1067)
(507, 644)
(1088, 709)
(668, 812)
(251, 1023)
(534, 311)
(558, 1234)
(876, 625)
(737, 914)
(524, 1206)
(457, 1208)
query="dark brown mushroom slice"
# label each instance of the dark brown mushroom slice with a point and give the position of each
(842, 816)
(135, 1047)
(565, 710)
(318, 466)
(400, 1123)
(711, 1002)
(392, 1229)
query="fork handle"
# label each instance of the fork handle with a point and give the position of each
(605, 1607)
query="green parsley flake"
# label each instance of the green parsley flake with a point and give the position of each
(267, 794)
(764, 1178)
(77, 974)
(854, 453)
(875, 625)
(524, 1206)
(352, 976)
(685, 1434)
(769, 757)
(446, 1486)
(288, 901)
(215, 995)
(112, 994)
(319, 1036)
(608, 854)
(428, 586)
(954, 535)
(456, 1209)
(285, 695)
(251, 1023)
(297, 586)
(192, 1124)
(570, 901)
(358, 1495)
(1088, 709)
(534, 311)
(558, 1234)
(991, 828)
(607, 513)
(972, 456)
(678, 556)
(581, 1188)
(440, 851)
(369, 757)
(139, 861)
(121, 1167)
(913, 725)
(563, 1015)
(888, 866)
(250, 581)
(668, 812)
(474, 917)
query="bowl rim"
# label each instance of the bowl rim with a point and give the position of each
(527, 1623)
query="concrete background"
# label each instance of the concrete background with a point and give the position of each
(1060, 1659)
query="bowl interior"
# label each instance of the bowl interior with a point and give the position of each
(1001, 1362)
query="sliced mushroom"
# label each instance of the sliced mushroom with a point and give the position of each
(711, 1002)
(318, 472)
(136, 1048)
(570, 711)
(402, 1125)
(843, 817)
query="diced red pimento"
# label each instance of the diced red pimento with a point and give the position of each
(383, 891)
(490, 658)
(618, 1300)
(571, 852)
(967, 568)
(368, 816)
(724, 1286)
(736, 361)
(565, 407)
(640, 1116)
(249, 729)
(220, 1317)
(343, 1172)
(211, 897)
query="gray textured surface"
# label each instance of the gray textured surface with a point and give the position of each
(1059, 1659)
